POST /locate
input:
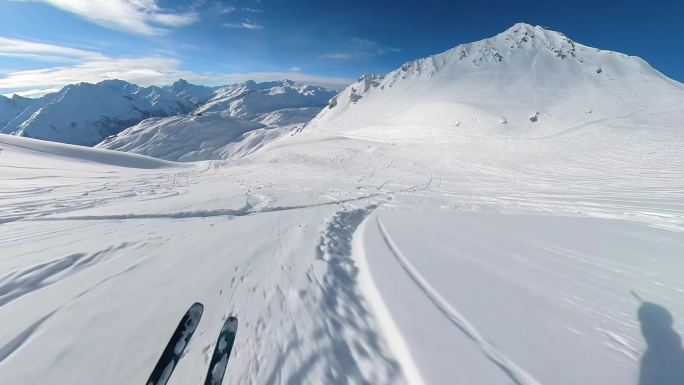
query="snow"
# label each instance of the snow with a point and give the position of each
(561, 283)
(382, 243)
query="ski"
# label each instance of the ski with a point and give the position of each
(174, 349)
(224, 345)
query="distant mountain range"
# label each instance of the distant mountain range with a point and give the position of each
(85, 114)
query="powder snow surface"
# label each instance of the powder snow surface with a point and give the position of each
(402, 237)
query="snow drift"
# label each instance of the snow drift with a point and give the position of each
(51, 150)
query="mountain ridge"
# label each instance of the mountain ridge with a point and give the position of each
(86, 113)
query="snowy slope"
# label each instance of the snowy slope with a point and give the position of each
(189, 138)
(86, 113)
(237, 121)
(360, 250)
(77, 153)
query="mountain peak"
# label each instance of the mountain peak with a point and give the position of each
(517, 27)
(521, 32)
(536, 77)
(180, 84)
(119, 86)
(525, 27)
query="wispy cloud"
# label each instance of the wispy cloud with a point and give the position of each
(241, 16)
(218, 7)
(372, 47)
(42, 51)
(340, 55)
(143, 17)
(244, 25)
(360, 48)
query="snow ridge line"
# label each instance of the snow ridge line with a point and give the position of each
(512, 370)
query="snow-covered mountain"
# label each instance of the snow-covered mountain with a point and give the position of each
(85, 113)
(525, 82)
(238, 120)
(484, 220)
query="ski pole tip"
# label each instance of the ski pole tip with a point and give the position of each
(635, 295)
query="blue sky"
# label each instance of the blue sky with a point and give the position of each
(45, 44)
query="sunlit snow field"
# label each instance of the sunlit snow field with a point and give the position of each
(346, 260)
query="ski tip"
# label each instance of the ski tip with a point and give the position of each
(196, 310)
(231, 324)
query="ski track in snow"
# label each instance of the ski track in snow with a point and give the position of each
(349, 349)
(515, 373)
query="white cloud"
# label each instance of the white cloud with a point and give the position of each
(42, 51)
(295, 69)
(243, 25)
(141, 70)
(136, 16)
